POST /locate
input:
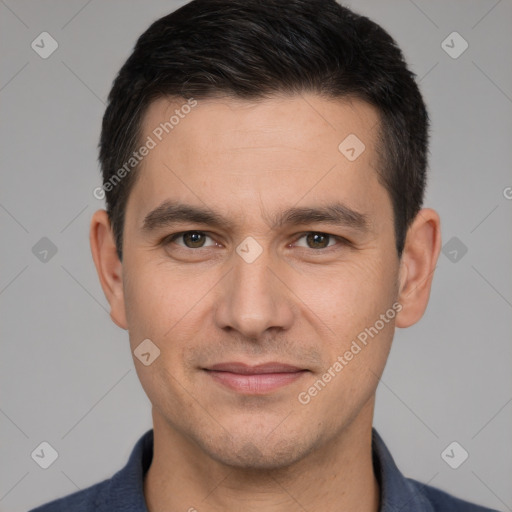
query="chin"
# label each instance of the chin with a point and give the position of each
(258, 453)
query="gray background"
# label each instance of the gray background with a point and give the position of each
(66, 371)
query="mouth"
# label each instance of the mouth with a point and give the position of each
(254, 380)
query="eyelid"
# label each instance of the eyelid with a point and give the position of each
(341, 240)
(172, 238)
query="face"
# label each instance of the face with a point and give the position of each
(251, 239)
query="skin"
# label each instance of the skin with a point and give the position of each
(219, 449)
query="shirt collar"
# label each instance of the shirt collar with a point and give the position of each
(397, 494)
(127, 485)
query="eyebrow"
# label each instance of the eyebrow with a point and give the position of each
(171, 212)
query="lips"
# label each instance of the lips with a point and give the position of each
(245, 369)
(254, 379)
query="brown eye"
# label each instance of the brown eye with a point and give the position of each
(190, 239)
(194, 239)
(317, 240)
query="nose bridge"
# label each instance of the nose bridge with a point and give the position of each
(253, 299)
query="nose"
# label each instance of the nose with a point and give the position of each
(254, 298)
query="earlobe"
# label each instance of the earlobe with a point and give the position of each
(108, 266)
(418, 262)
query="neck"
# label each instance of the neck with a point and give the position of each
(336, 476)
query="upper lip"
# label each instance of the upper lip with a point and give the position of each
(242, 368)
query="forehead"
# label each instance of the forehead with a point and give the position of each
(234, 154)
(227, 122)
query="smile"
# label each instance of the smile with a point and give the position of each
(254, 380)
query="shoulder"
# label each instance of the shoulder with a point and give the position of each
(442, 501)
(123, 492)
(93, 498)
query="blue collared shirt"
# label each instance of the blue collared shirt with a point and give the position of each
(124, 491)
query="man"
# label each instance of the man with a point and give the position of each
(264, 168)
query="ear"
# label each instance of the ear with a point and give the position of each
(417, 265)
(108, 265)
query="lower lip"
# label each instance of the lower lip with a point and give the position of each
(255, 384)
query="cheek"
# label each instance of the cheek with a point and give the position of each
(355, 339)
(159, 296)
(348, 296)
(160, 307)
(359, 340)
(172, 308)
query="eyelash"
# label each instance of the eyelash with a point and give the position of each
(341, 240)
